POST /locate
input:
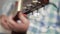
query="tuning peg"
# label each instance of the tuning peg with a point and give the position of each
(24, 7)
(35, 1)
(29, 5)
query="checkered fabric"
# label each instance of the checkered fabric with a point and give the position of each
(44, 22)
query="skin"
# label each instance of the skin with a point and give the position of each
(9, 24)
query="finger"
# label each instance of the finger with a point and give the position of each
(11, 27)
(4, 23)
(23, 18)
(15, 26)
(25, 15)
(12, 22)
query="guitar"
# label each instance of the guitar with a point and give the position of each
(26, 7)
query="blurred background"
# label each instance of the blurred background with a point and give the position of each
(8, 5)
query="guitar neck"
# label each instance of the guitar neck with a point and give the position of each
(31, 9)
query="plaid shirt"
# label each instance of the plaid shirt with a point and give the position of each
(44, 22)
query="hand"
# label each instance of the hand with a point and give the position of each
(10, 24)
